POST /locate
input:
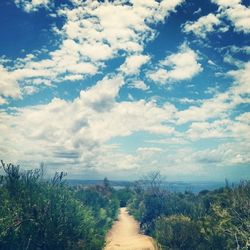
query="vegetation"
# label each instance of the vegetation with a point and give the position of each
(39, 214)
(213, 220)
(124, 195)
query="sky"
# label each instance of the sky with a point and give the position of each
(122, 88)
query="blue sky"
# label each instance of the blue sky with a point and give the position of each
(122, 88)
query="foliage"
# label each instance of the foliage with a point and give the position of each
(177, 232)
(38, 214)
(103, 202)
(124, 195)
(215, 220)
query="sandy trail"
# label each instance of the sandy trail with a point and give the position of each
(124, 235)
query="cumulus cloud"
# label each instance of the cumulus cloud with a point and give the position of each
(202, 26)
(76, 77)
(138, 84)
(93, 33)
(133, 64)
(102, 95)
(245, 118)
(8, 84)
(177, 67)
(29, 90)
(79, 134)
(81, 128)
(63, 64)
(227, 3)
(240, 17)
(33, 5)
(237, 13)
(216, 129)
(226, 154)
(3, 100)
(110, 27)
(221, 104)
(242, 79)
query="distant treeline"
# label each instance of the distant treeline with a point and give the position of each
(36, 214)
(214, 220)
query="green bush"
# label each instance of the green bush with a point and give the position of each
(215, 220)
(177, 232)
(38, 214)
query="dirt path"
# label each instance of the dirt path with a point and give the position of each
(124, 235)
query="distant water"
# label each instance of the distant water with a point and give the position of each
(194, 187)
(179, 186)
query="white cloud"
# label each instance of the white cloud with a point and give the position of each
(236, 12)
(245, 118)
(138, 84)
(188, 162)
(113, 27)
(221, 104)
(242, 79)
(77, 134)
(93, 33)
(228, 58)
(29, 90)
(211, 63)
(240, 16)
(177, 67)
(133, 64)
(96, 51)
(80, 128)
(3, 100)
(216, 129)
(32, 5)
(188, 100)
(202, 26)
(82, 68)
(210, 108)
(30, 70)
(227, 3)
(8, 84)
(170, 140)
(227, 154)
(39, 81)
(101, 96)
(149, 149)
(130, 97)
(198, 11)
(76, 77)
(243, 49)
(148, 153)
(160, 75)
